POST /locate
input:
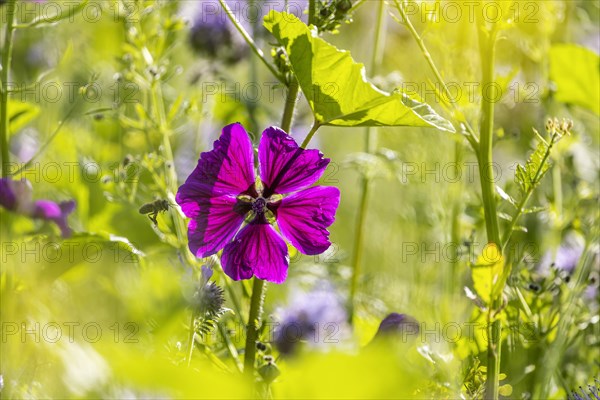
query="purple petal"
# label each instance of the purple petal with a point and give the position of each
(229, 167)
(303, 218)
(16, 195)
(8, 199)
(57, 213)
(214, 220)
(257, 249)
(398, 323)
(46, 209)
(284, 166)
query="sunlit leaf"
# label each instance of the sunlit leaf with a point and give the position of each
(20, 114)
(534, 169)
(336, 86)
(487, 273)
(576, 72)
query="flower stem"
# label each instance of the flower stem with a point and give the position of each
(6, 62)
(370, 140)
(312, 11)
(406, 21)
(313, 130)
(258, 52)
(521, 205)
(259, 286)
(487, 39)
(191, 337)
(256, 302)
(290, 104)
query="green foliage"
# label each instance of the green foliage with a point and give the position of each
(576, 72)
(336, 87)
(489, 273)
(537, 165)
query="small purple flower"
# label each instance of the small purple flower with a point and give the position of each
(212, 34)
(398, 324)
(16, 196)
(316, 318)
(223, 192)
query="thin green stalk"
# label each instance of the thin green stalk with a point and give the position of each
(455, 227)
(290, 104)
(521, 205)
(259, 286)
(370, 143)
(6, 63)
(551, 360)
(312, 12)
(406, 21)
(310, 135)
(258, 52)
(191, 338)
(487, 41)
(48, 141)
(252, 72)
(355, 6)
(230, 347)
(254, 317)
(171, 189)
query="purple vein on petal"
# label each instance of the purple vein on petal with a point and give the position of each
(256, 250)
(284, 166)
(303, 218)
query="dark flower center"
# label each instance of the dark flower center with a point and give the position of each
(259, 205)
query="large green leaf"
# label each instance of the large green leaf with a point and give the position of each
(488, 273)
(336, 87)
(576, 72)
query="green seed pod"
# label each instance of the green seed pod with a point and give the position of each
(269, 372)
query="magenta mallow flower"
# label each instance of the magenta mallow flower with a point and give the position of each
(16, 196)
(222, 195)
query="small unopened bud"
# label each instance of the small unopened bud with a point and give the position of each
(398, 324)
(344, 6)
(261, 346)
(269, 372)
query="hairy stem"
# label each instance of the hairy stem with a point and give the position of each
(487, 40)
(312, 11)
(6, 62)
(370, 143)
(310, 135)
(254, 317)
(259, 286)
(290, 104)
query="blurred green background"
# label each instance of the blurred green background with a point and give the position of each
(120, 277)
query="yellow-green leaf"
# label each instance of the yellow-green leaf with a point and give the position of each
(488, 273)
(576, 72)
(336, 86)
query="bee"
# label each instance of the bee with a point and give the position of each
(152, 209)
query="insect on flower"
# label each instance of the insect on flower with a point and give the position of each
(223, 195)
(152, 209)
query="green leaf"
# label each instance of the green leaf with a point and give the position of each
(487, 273)
(336, 87)
(505, 390)
(20, 114)
(537, 165)
(576, 72)
(54, 16)
(505, 196)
